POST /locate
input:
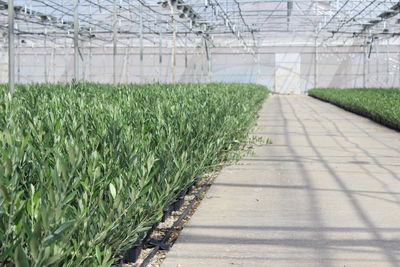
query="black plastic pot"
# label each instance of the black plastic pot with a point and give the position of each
(178, 203)
(190, 188)
(133, 253)
(166, 213)
(149, 233)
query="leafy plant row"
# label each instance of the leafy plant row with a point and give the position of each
(86, 169)
(379, 104)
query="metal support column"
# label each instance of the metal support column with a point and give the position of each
(186, 75)
(388, 65)
(289, 13)
(11, 56)
(203, 54)
(141, 43)
(90, 61)
(186, 58)
(195, 63)
(18, 59)
(258, 67)
(210, 78)
(364, 66)
(45, 56)
(378, 74)
(125, 64)
(160, 57)
(66, 60)
(209, 60)
(76, 41)
(316, 84)
(173, 22)
(89, 75)
(115, 24)
(53, 62)
(83, 58)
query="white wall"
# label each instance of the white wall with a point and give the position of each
(284, 69)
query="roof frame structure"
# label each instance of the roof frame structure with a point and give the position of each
(245, 23)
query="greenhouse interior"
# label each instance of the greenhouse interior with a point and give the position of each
(199, 133)
(289, 46)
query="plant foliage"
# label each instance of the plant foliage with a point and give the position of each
(86, 169)
(379, 104)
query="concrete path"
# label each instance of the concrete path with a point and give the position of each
(326, 193)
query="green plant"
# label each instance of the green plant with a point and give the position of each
(86, 169)
(379, 104)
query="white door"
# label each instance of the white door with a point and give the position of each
(287, 73)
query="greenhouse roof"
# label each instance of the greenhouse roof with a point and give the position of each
(223, 23)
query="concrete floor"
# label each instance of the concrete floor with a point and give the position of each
(326, 193)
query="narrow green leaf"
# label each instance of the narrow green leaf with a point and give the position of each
(4, 192)
(64, 226)
(69, 197)
(20, 258)
(52, 260)
(113, 191)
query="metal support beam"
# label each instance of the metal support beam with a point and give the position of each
(11, 55)
(76, 41)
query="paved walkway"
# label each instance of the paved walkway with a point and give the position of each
(326, 193)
